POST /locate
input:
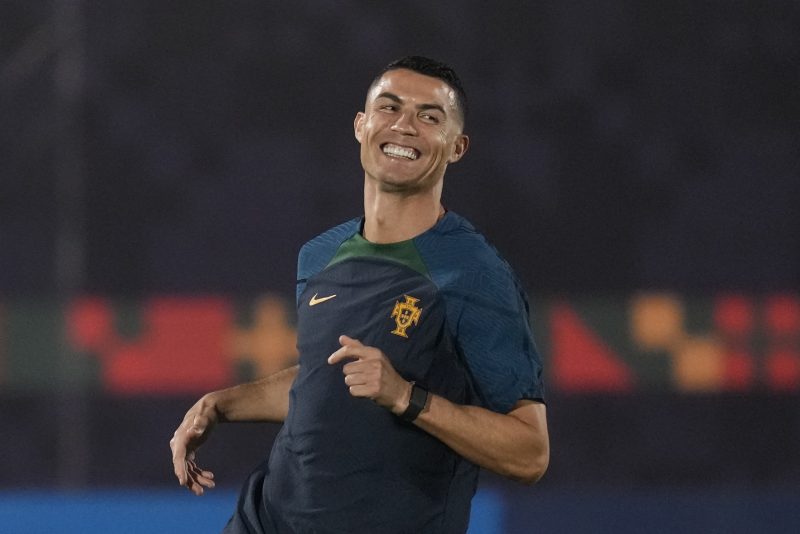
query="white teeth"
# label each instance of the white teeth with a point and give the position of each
(394, 150)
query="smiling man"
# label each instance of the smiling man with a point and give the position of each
(417, 365)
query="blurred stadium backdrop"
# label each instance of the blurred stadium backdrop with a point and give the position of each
(637, 162)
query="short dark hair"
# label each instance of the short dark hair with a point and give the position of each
(434, 69)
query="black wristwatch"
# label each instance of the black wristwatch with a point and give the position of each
(419, 397)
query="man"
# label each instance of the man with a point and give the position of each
(416, 363)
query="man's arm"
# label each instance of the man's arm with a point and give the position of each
(266, 399)
(515, 444)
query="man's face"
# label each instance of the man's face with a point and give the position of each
(409, 131)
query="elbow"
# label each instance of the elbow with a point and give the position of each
(533, 472)
(533, 468)
(528, 455)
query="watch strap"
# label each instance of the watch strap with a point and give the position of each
(416, 403)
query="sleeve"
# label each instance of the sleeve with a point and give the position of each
(302, 272)
(316, 254)
(488, 315)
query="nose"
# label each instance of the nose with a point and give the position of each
(404, 125)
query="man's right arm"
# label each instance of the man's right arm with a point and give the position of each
(266, 399)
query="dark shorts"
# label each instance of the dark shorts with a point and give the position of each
(253, 514)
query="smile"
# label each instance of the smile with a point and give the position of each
(397, 151)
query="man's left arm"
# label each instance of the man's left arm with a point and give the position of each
(515, 444)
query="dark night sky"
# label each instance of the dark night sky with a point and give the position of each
(615, 147)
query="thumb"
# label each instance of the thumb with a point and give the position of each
(347, 341)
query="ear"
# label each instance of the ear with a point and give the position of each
(459, 149)
(358, 125)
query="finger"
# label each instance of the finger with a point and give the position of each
(344, 353)
(354, 367)
(203, 472)
(203, 481)
(194, 487)
(178, 459)
(200, 476)
(180, 472)
(192, 483)
(197, 470)
(347, 341)
(362, 390)
(356, 379)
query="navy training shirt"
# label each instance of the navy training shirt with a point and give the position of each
(449, 314)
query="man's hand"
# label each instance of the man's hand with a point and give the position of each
(193, 432)
(371, 375)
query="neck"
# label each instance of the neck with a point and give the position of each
(391, 217)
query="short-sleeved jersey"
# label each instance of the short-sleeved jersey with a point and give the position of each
(450, 315)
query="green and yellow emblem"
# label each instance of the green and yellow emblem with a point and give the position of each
(405, 314)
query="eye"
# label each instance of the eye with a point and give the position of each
(388, 107)
(428, 117)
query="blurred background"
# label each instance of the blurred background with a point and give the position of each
(636, 162)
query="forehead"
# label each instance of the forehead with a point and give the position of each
(415, 87)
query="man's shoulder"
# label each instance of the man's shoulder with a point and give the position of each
(456, 245)
(317, 252)
(334, 236)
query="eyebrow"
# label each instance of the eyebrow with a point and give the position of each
(393, 97)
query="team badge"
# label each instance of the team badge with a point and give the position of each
(405, 314)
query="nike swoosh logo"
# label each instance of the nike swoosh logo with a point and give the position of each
(314, 300)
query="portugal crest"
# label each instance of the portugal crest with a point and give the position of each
(405, 314)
